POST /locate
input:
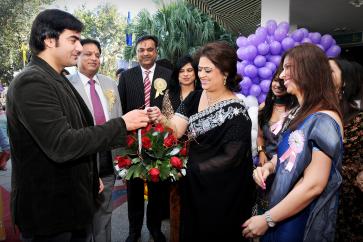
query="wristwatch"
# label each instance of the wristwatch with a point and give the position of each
(260, 148)
(269, 220)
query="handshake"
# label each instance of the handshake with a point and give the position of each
(139, 118)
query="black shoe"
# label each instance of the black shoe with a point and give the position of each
(133, 238)
(158, 236)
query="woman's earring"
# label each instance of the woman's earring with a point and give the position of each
(225, 81)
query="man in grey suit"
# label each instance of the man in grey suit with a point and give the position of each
(88, 64)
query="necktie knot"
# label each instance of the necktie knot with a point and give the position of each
(147, 72)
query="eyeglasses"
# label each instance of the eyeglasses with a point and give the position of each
(206, 69)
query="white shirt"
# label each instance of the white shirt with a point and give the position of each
(151, 74)
(85, 80)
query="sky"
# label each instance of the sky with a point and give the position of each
(134, 6)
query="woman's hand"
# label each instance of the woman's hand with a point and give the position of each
(256, 226)
(260, 174)
(154, 114)
(262, 158)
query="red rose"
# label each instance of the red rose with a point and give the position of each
(159, 128)
(146, 129)
(130, 140)
(176, 162)
(146, 142)
(154, 174)
(169, 141)
(183, 151)
(123, 161)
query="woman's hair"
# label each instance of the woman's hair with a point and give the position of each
(224, 57)
(351, 87)
(264, 115)
(312, 75)
(174, 86)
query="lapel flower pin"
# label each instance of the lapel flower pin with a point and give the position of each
(160, 86)
(111, 98)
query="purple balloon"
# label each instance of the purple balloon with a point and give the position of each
(326, 41)
(247, 53)
(275, 48)
(287, 43)
(306, 40)
(256, 80)
(242, 41)
(259, 61)
(315, 37)
(333, 51)
(261, 32)
(250, 71)
(284, 25)
(298, 35)
(271, 66)
(321, 47)
(255, 90)
(305, 32)
(263, 49)
(246, 83)
(271, 26)
(264, 73)
(276, 59)
(240, 67)
(270, 39)
(261, 98)
(280, 33)
(265, 85)
(245, 92)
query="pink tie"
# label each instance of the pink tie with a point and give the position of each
(97, 105)
(147, 88)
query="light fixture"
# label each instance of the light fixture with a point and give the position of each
(356, 3)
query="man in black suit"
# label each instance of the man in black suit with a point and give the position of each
(55, 182)
(143, 86)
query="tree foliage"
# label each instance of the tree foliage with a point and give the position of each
(180, 27)
(107, 26)
(16, 17)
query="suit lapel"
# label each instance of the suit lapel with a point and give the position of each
(78, 85)
(139, 84)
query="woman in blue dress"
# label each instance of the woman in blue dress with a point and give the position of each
(304, 195)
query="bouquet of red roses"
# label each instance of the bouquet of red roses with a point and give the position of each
(153, 154)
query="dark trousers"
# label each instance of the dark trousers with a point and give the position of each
(157, 208)
(71, 236)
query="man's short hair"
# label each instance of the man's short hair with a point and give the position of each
(92, 41)
(50, 24)
(147, 37)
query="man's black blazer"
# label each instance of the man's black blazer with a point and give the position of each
(131, 88)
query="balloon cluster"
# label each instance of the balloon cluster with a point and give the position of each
(260, 54)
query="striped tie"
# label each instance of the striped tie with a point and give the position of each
(147, 88)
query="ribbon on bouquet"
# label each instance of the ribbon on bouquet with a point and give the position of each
(296, 146)
(276, 128)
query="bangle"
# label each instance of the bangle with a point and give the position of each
(260, 149)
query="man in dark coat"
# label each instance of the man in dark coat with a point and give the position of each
(144, 86)
(55, 183)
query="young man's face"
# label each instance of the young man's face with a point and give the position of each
(68, 48)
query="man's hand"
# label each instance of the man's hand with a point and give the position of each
(136, 119)
(101, 186)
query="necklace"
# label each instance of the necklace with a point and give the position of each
(212, 101)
